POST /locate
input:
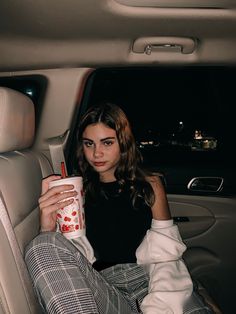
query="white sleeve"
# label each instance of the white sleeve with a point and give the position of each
(170, 284)
(84, 246)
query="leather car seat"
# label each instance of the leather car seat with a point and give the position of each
(21, 172)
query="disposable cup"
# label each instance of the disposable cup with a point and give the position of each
(71, 219)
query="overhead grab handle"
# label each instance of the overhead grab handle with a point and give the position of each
(148, 45)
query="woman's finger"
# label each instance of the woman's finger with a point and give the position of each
(48, 210)
(45, 182)
(56, 198)
(56, 190)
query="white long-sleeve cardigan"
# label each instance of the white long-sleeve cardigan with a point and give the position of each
(170, 284)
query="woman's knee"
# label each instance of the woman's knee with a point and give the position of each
(51, 239)
(48, 245)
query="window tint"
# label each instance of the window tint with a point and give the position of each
(182, 119)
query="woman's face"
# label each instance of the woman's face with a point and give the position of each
(101, 149)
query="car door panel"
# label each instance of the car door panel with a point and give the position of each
(210, 246)
(191, 218)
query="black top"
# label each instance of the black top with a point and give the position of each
(114, 227)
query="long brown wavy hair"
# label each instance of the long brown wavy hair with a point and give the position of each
(128, 172)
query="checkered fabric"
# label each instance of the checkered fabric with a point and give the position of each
(66, 283)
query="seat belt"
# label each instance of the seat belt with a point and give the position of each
(56, 148)
(20, 263)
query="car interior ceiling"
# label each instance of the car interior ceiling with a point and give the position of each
(128, 33)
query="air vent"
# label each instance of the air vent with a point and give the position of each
(179, 3)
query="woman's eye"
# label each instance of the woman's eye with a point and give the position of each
(87, 143)
(108, 143)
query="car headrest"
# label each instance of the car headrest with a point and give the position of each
(17, 120)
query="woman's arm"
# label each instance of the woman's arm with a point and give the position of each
(160, 252)
(160, 208)
(53, 199)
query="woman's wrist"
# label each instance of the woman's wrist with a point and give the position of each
(161, 223)
(43, 229)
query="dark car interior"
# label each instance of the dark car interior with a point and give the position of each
(171, 66)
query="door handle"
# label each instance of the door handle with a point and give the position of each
(206, 184)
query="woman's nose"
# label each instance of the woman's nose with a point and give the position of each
(97, 152)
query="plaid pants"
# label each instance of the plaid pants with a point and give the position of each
(66, 283)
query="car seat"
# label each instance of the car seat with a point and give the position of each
(21, 172)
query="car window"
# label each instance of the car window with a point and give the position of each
(182, 119)
(34, 86)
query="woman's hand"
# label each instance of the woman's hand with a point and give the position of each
(53, 199)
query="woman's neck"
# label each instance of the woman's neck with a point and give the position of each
(107, 179)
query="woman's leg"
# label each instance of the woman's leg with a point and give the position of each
(196, 305)
(66, 282)
(131, 280)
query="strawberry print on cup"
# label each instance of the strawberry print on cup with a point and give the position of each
(71, 219)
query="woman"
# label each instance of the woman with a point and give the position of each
(130, 260)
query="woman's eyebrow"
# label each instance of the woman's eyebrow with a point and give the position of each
(102, 139)
(86, 139)
(107, 138)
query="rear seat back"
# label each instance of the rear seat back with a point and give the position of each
(21, 172)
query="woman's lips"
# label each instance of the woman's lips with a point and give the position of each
(99, 164)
